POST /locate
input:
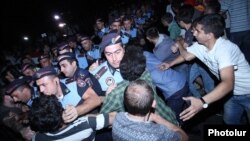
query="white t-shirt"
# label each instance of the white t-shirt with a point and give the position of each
(224, 54)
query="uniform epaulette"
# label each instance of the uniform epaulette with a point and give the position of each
(99, 74)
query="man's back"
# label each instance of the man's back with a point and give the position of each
(127, 129)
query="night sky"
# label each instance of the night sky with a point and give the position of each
(33, 17)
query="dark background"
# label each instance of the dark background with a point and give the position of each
(34, 17)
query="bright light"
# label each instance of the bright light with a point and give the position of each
(64, 35)
(26, 38)
(56, 17)
(61, 25)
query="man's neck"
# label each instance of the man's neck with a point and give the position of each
(210, 43)
(139, 118)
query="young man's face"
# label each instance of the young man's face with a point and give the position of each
(67, 68)
(29, 72)
(86, 44)
(127, 24)
(199, 34)
(114, 54)
(21, 95)
(45, 62)
(47, 85)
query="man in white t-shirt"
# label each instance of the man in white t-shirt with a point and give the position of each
(226, 62)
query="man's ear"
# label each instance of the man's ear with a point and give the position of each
(154, 104)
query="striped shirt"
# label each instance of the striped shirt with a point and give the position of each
(239, 14)
(82, 129)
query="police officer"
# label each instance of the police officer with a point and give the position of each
(101, 29)
(45, 60)
(108, 73)
(116, 26)
(21, 91)
(83, 83)
(81, 57)
(92, 51)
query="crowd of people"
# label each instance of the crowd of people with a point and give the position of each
(129, 81)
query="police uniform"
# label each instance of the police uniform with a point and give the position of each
(94, 52)
(80, 57)
(81, 80)
(102, 32)
(21, 82)
(132, 33)
(106, 75)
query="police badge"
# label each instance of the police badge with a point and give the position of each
(109, 81)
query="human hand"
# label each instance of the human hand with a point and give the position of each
(174, 48)
(69, 114)
(110, 88)
(164, 66)
(94, 65)
(192, 110)
(27, 133)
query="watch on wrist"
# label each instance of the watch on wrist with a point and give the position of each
(205, 104)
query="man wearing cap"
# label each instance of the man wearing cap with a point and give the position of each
(81, 57)
(108, 73)
(83, 83)
(116, 26)
(93, 52)
(21, 91)
(45, 60)
(101, 29)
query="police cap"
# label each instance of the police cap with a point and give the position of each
(44, 56)
(67, 55)
(17, 83)
(110, 39)
(44, 72)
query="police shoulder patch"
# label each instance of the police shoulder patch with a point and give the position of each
(80, 82)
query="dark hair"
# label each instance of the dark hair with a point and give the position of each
(168, 17)
(214, 6)
(152, 33)
(46, 114)
(211, 23)
(133, 63)
(185, 14)
(138, 97)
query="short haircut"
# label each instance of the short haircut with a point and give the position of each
(213, 6)
(133, 63)
(152, 33)
(185, 14)
(168, 17)
(46, 114)
(138, 98)
(211, 23)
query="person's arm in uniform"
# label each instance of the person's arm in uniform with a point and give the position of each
(90, 99)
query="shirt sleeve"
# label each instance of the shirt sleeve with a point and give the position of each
(99, 122)
(83, 81)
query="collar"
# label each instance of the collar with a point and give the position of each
(112, 69)
(64, 88)
(160, 39)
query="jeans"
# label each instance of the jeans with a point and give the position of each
(208, 83)
(176, 103)
(235, 107)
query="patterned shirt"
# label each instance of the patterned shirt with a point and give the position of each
(114, 100)
(83, 128)
(128, 129)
